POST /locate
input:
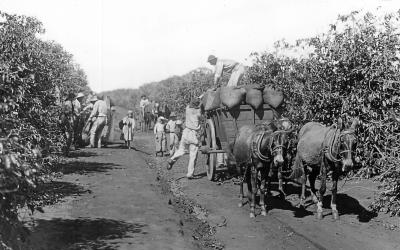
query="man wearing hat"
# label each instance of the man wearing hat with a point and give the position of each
(190, 137)
(144, 101)
(67, 120)
(173, 133)
(99, 119)
(79, 123)
(234, 68)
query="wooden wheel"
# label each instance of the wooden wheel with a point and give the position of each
(211, 143)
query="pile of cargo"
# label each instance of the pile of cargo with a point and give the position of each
(254, 95)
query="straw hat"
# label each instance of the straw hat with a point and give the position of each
(94, 99)
(178, 122)
(172, 114)
(161, 118)
(211, 58)
(130, 112)
(80, 94)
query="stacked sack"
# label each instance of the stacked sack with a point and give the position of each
(255, 95)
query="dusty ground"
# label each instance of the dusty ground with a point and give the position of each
(116, 198)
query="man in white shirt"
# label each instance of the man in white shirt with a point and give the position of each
(173, 136)
(99, 119)
(236, 70)
(143, 103)
(190, 137)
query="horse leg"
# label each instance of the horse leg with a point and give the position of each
(303, 185)
(322, 189)
(280, 185)
(335, 178)
(269, 177)
(241, 196)
(253, 192)
(262, 188)
(311, 179)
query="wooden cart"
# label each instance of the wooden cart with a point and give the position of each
(222, 126)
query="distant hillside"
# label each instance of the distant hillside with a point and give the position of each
(175, 91)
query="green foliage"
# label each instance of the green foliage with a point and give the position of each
(34, 76)
(351, 71)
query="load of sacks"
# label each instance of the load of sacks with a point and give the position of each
(255, 95)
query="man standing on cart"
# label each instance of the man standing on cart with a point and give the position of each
(190, 137)
(236, 70)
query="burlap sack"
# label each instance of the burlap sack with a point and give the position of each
(272, 97)
(232, 96)
(211, 99)
(254, 95)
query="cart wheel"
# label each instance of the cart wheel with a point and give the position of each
(212, 143)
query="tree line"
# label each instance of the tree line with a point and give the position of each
(35, 76)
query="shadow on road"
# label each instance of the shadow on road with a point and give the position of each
(81, 167)
(52, 192)
(81, 233)
(80, 153)
(349, 205)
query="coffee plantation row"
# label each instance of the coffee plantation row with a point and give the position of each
(35, 75)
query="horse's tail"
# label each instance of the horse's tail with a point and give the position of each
(298, 169)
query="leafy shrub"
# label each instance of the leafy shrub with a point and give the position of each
(35, 75)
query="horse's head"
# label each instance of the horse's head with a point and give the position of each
(280, 140)
(347, 145)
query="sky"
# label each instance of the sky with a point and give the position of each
(126, 43)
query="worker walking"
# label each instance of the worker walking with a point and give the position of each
(99, 119)
(234, 68)
(190, 137)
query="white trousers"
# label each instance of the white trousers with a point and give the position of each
(236, 75)
(96, 131)
(189, 142)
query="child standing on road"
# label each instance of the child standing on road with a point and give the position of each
(173, 136)
(128, 129)
(161, 138)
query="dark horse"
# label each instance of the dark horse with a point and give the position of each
(256, 149)
(147, 118)
(322, 149)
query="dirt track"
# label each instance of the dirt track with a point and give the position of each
(114, 198)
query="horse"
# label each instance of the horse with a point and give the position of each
(321, 149)
(256, 148)
(147, 118)
(164, 111)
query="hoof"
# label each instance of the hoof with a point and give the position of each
(264, 213)
(240, 204)
(252, 215)
(335, 215)
(319, 215)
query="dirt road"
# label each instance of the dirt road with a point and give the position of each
(116, 198)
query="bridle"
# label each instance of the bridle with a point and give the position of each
(338, 138)
(275, 149)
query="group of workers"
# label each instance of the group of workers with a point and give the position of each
(180, 141)
(73, 122)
